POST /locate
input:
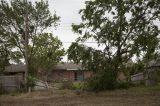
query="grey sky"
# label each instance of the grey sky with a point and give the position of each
(68, 11)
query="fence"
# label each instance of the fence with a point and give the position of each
(10, 83)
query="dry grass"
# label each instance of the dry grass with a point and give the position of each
(69, 98)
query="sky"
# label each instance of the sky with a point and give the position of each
(68, 10)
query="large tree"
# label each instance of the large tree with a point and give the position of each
(13, 25)
(48, 52)
(125, 28)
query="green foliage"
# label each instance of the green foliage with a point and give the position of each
(88, 57)
(124, 84)
(101, 81)
(31, 81)
(105, 81)
(4, 61)
(7, 54)
(78, 85)
(133, 68)
(47, 52)
(12, 30)
(56, 84)
(124, 28)
(67, 85)
(43, 49)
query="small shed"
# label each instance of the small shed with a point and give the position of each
(13, 78)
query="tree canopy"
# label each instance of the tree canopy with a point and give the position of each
(12, 31)
(47, 52)
(126, 28)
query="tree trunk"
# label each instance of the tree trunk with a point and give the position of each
(26, 44)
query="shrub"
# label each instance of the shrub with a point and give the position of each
(78, 85)
(30, 81)
(67, 85)
(101, 81)
(123, 85)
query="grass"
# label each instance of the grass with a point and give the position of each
(56, 84)
(143, 89)
(136, 96)
(76, 85)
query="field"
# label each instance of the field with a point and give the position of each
(139, 96)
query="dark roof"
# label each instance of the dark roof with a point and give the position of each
(15, 68)
(68, 66)
(63, 66)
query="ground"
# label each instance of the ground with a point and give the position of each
(132, 97)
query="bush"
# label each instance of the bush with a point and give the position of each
(123, 85)
(30, 81)
(101, 81)
(78, 85)
(67, 85)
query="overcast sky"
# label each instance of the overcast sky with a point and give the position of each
(68, 10)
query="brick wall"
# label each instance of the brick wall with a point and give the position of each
(60, 75)
(87, 74)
